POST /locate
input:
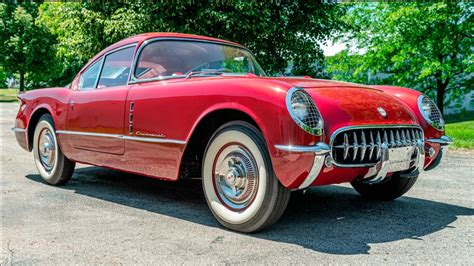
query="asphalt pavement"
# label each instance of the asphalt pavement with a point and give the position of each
(106, 217)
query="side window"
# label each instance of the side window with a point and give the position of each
(116, 68)
(89, 77)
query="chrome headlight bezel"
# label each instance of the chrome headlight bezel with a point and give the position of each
(430, 112)
(309, 106)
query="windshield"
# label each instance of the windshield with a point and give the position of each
(161, 59)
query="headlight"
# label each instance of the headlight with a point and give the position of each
(304, 112)
(430, 112)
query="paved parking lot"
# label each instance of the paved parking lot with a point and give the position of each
(104, 216)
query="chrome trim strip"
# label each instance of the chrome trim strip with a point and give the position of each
(18, 130)
(381, 126)
(154, 140)
(444, 140)
(133, 80)
(131, 138)
(90, 134)
(319, 149)
(102, 57)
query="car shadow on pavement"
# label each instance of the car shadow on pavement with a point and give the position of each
(331, 219)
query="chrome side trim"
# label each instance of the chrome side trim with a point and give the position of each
(131, 138)
(18, 130)
(444, 140)
(154, 140)
(90, 134)
(319, 149)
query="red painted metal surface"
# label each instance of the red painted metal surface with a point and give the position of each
(172, 109)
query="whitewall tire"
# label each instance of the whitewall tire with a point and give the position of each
(52, 165)
(238, 180)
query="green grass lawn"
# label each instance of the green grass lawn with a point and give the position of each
(462, 133)
(8, 95)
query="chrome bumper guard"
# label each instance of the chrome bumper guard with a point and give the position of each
(376, 173)
(320, 150)
(379, 171)
(444, 142)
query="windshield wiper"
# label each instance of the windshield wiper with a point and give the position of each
(216, 72)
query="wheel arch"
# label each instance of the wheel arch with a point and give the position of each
(204, 128)
(33, 121)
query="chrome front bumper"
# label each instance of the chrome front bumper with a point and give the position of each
(320, 150)
(376, 173)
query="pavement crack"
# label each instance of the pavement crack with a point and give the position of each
(10, 250)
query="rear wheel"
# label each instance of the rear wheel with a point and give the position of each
(51, 163)
(390, 189)
(238, 180)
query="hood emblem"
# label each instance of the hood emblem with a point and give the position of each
(382, 112)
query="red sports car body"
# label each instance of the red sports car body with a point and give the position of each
(156, 104)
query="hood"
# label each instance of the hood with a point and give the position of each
(313, 83)
(351, 106)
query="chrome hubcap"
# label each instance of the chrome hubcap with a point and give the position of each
(47, 149)
(236, 177)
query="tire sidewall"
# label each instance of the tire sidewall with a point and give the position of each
(45, 122)
(256, 214)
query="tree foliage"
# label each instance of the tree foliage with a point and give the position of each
(423, 45)
(26, 48)
(276, 33)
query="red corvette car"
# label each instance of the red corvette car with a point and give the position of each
(174, 106)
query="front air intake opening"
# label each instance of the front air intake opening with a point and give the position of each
(363, 146)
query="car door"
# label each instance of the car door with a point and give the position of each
(97, 108)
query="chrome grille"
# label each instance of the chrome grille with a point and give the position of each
(435, 115)
(363, 146)
(313, 118)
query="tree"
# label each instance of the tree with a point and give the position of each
(423, 45)
(276, 33)
(25, 47)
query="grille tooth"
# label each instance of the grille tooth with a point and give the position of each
(346, 145)
(372, 145)
(392, 140)
(398, 140)
(402, 138)
(379, 145)
(356, 146)
(362, 146)
(385, 137)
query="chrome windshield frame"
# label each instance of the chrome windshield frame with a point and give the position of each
(134, 80)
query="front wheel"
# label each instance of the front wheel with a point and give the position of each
(238, 179)
(50, 161)
(390, 189)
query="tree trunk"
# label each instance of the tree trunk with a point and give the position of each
(22, 81)
(440, 91)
